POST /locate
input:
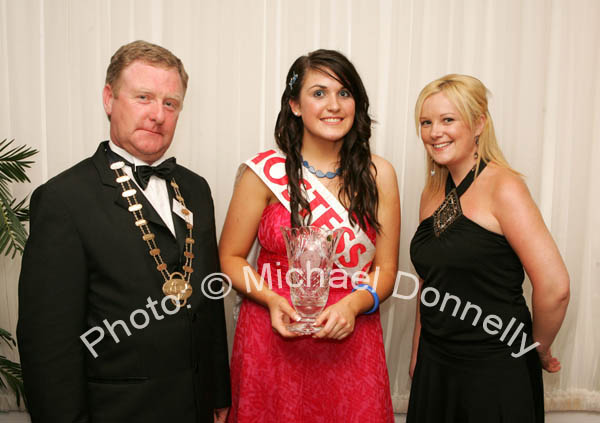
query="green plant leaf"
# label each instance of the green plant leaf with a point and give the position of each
(11, 378)
(12, 232)
(13, 161)
(8, 338)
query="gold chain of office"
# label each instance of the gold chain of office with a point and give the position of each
(177, 285)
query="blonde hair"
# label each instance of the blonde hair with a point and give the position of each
(469, 96)
(145, 52)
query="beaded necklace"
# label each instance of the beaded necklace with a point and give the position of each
(319, 173)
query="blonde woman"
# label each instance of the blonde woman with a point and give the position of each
(477, 353)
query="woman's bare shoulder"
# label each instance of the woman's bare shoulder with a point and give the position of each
(385, 174)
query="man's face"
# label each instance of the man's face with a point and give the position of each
(143, 114)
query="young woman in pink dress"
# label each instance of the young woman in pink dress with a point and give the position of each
(324, 171)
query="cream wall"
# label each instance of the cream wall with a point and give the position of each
(539, 58)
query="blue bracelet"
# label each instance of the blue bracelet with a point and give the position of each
(373, 294)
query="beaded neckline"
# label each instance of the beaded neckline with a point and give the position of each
(450, 210)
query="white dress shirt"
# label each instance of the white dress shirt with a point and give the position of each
(156, 191)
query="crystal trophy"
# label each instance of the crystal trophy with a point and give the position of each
(310, 252)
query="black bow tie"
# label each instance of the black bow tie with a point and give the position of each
(143, 173)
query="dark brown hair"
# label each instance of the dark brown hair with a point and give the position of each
(358, 181)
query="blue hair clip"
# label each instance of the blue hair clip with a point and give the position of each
(293, 80)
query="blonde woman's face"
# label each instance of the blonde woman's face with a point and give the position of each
(446, 136)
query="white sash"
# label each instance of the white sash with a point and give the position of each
(355, 251)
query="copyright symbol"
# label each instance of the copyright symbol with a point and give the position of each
(220, 279)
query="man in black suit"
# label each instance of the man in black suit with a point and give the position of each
(99, 340)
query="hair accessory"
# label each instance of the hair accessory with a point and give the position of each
(319, 173)
(373, 293)
(293, 80)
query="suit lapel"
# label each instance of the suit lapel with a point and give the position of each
(178, 222)
(108, 176)
(150, 214)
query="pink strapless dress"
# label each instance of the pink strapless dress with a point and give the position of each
(304, 380)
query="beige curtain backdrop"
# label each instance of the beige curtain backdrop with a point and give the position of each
(539, 58)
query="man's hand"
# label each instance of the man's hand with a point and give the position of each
(221, 415)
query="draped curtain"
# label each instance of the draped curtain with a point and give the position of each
(539, 58)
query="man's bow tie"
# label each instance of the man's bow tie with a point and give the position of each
(142, 174)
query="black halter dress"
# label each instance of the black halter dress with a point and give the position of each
(475, 324)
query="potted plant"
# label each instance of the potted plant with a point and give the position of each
(13, 162)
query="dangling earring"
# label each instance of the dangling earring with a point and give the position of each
(432, 172)
(477, 144)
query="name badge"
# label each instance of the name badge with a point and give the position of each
(178, 210)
